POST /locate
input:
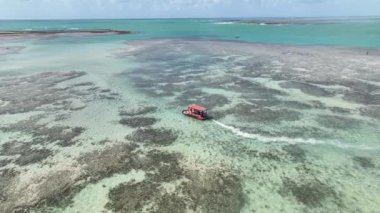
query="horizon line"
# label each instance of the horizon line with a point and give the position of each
(165, 18)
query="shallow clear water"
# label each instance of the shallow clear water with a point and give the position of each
(294, 128)
(362, 33)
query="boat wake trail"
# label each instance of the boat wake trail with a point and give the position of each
(268, 139)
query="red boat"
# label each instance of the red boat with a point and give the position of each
(196, 112)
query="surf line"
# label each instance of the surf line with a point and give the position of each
(288, 140)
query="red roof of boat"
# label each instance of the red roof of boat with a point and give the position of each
(196, 107)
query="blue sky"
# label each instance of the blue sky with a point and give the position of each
(77, 9)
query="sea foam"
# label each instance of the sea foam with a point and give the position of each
(312, 141)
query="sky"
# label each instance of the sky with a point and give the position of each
(91, 9)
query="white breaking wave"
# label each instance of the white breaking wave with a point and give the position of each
(226, 22)
(268, 139)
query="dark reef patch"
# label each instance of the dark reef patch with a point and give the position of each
(296, 105)
(296, 153)
(166, 166)
(318, 105)
(138, 121)
(300, 132)
(371, 111)
(362, 98)
(364, 162)
(105, 163)
(269, 156)
(10, 50)
(265, 102)
(312, 193)
(7, 177)
(40, 92)
(25, 94)
(340, 110)
(214, 191)
(251, 89)
(42, 133)
(331, 121)
(214, 100)
(250, 113)
(132, 197)
(209, 101)
(171, 203)
(55, 190)
(48, 34)
(359, 87)
(5, 162)
(306, 88)
(152, 136)
(25, 153)
(139, 110)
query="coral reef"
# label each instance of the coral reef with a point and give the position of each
(153, 136)
(135, 122)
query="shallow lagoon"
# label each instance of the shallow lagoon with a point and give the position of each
(97, 126)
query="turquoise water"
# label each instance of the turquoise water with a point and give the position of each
(362, 33)
(94, 124)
